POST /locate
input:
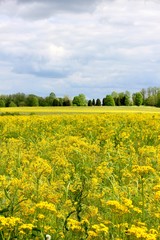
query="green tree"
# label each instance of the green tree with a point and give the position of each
(67, 101)
(151, 101)
(2, 103)
(80, 100)
(143, 92)
(32, 100)
(52, 95)
(138, 99)
(126, 100)
(158, 99)
(109, 101)
(115, 96)
(19, 99)
(55, 102)
(41, 101)
(12, 104)
(8, 100)
(60, 101)
(50, 98)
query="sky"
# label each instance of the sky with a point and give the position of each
(70, 47)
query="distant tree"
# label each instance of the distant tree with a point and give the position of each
(122, 98)
(80, 100)
(149, 91)
(138, 99)
(2, 103)
(12, 104)
(52, 95)
(93, 102)
(109, 101)
(83, 100)
(118, 101)
(98, 102)
(151, 100)
(22, 104)
(60, 101)
(32, 100)
(49, 99)
(127, 93)
(133, 97)
(76, 101)
(19, 99)
(158, 99)
(126, 100)
(143, 92)
(55, 102)
(90, 103)
(8, 100)
(41, 101)
(103, 101)
(114, 94)
(67, 101)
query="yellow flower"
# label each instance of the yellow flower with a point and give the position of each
(46, 206)
(41, 216)
(74, 225)
(93, 210)
(157, 196)
(142, 170)
(26, 227)
(117, 207)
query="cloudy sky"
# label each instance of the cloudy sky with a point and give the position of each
(79, 46)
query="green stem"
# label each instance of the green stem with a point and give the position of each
(142, 188)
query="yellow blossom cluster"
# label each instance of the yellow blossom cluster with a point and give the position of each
(80, 176)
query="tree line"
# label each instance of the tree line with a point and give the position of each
(146, 97)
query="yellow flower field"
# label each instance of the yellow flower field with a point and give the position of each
(80, 176)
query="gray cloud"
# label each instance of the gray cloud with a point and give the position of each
(40, 9)
(69, 5)
(114, 48)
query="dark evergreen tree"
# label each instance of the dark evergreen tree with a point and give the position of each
(93, 102)
(90, 103)
(103, 102)
(98, 102)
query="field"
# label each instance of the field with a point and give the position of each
(80, 176)
(60, 110)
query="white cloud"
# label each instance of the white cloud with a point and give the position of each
(90, 48)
